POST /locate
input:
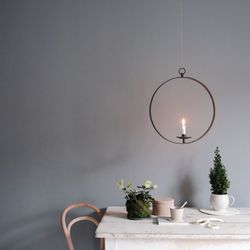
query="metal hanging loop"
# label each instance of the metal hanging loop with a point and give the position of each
(182, 71)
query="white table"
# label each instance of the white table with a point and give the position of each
(123, 234)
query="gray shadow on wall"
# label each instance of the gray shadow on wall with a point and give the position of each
(40, 231)
(184, 186)
(44, 231)
(186, 190)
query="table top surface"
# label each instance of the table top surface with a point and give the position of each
(115, 224)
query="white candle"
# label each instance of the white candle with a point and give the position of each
(183, 126)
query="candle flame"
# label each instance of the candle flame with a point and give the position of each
(183, 122)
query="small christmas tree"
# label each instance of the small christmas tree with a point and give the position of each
(218, 175)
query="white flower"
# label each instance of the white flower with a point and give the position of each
(148, 184)
(129, 186)
(120, 184)
(155, 186)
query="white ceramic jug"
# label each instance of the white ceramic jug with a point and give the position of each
(220, 202)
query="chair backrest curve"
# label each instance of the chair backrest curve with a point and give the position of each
(67, 227)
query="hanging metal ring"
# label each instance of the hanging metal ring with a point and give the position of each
(182, 71)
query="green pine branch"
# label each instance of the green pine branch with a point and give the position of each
(218, 175)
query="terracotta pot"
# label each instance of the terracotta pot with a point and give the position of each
(161, 206)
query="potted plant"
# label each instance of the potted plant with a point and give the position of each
(138, 201)
(219, 198)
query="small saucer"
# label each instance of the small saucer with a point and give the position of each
(227, 212)
(176, 221)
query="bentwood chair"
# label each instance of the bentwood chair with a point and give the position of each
(67, 226)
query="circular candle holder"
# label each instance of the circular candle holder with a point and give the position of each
(184, 139)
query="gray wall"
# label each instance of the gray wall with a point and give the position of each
(76, 78)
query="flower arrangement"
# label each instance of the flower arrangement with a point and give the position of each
(138, 200)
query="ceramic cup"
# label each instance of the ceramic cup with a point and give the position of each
(220, 202)
(176, 213)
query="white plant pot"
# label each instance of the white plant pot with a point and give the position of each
(220, 202)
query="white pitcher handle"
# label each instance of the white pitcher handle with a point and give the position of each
(233, 200)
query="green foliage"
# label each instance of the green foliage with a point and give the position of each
(138, 209)
(138, 200)
(141, 193)
(218, 175)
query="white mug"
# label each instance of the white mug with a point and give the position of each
(220, 202)
(176, 213)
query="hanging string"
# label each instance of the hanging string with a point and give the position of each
(181, 34)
